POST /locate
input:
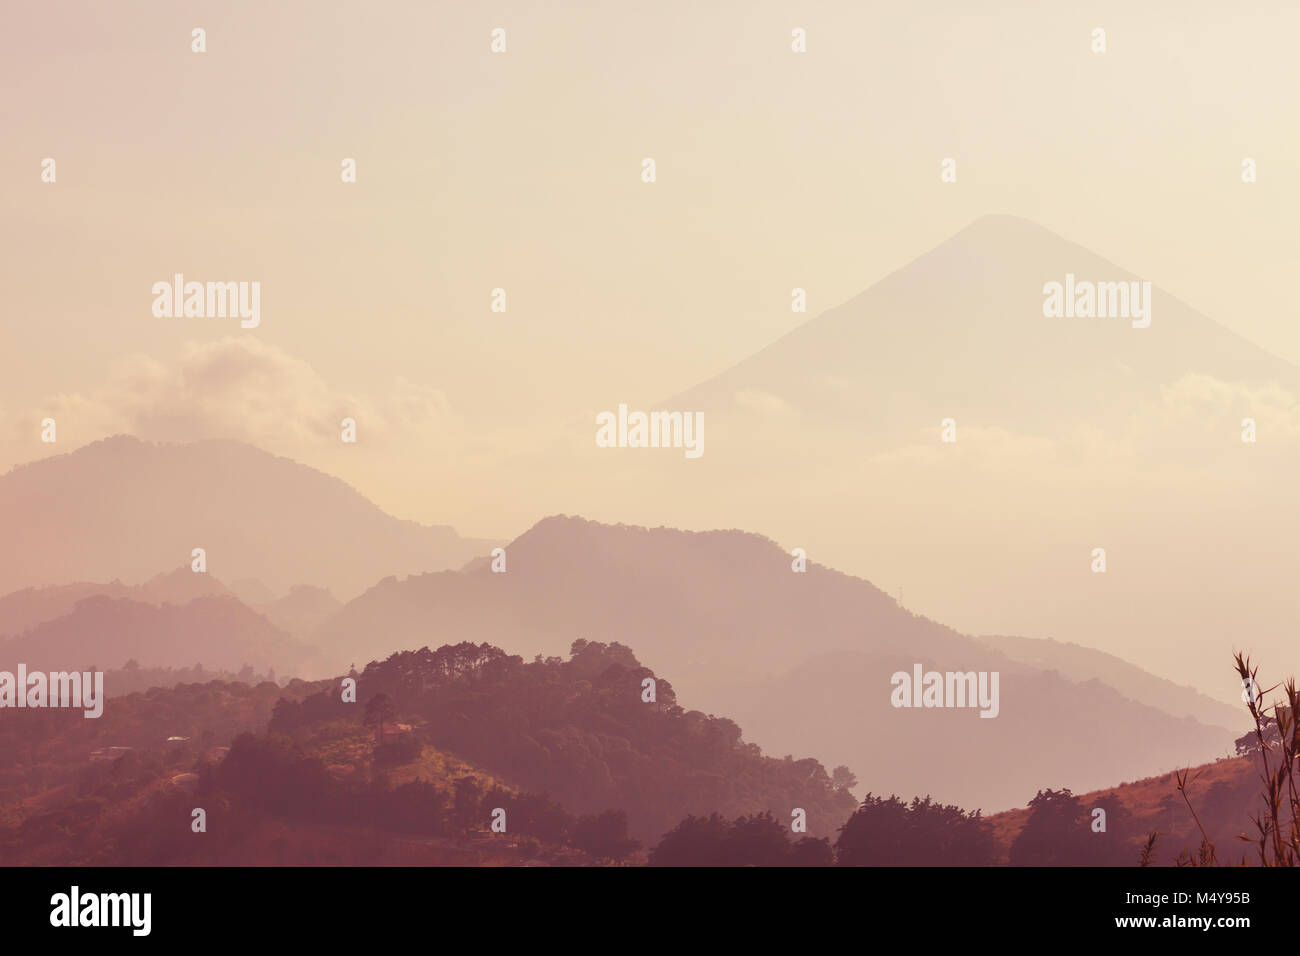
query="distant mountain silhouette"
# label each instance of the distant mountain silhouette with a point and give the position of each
(1083, 735)
(297, 614)
(1076, 663)
(961, 330)
(122, 508)
(24, 609)
(1070, 434)
(253, 592)
(302, 611)
(803, 661)
(216, 631)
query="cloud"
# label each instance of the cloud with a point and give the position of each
(983, 446)
(1203, 402)
(241, 388)
(763, 403)
(1185, 439)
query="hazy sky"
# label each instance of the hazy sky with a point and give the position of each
(522, 171)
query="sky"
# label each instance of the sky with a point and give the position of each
(522, 171)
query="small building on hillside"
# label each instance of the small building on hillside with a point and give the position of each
(188, 782)
(391, 731)
(108, 753)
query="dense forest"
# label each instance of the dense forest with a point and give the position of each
(581, 731)
(583, 762)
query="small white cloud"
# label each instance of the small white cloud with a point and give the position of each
(243, 389)
(763, 403)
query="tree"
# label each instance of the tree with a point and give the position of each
(842, 778)
(534, 814)
(889, 832)
(604, 836)
(808, 851)
(401, 749)
(1269, 734)
(379, 711)
(468, 796)
(757, 840)
(1060, 832)
(695, 841)
(415, 807)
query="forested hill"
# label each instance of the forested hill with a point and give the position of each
(410, 771)
(582, 731)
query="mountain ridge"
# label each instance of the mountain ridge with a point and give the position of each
(725, 611)
(93, 514)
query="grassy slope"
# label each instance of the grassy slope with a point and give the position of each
(1223, 793)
